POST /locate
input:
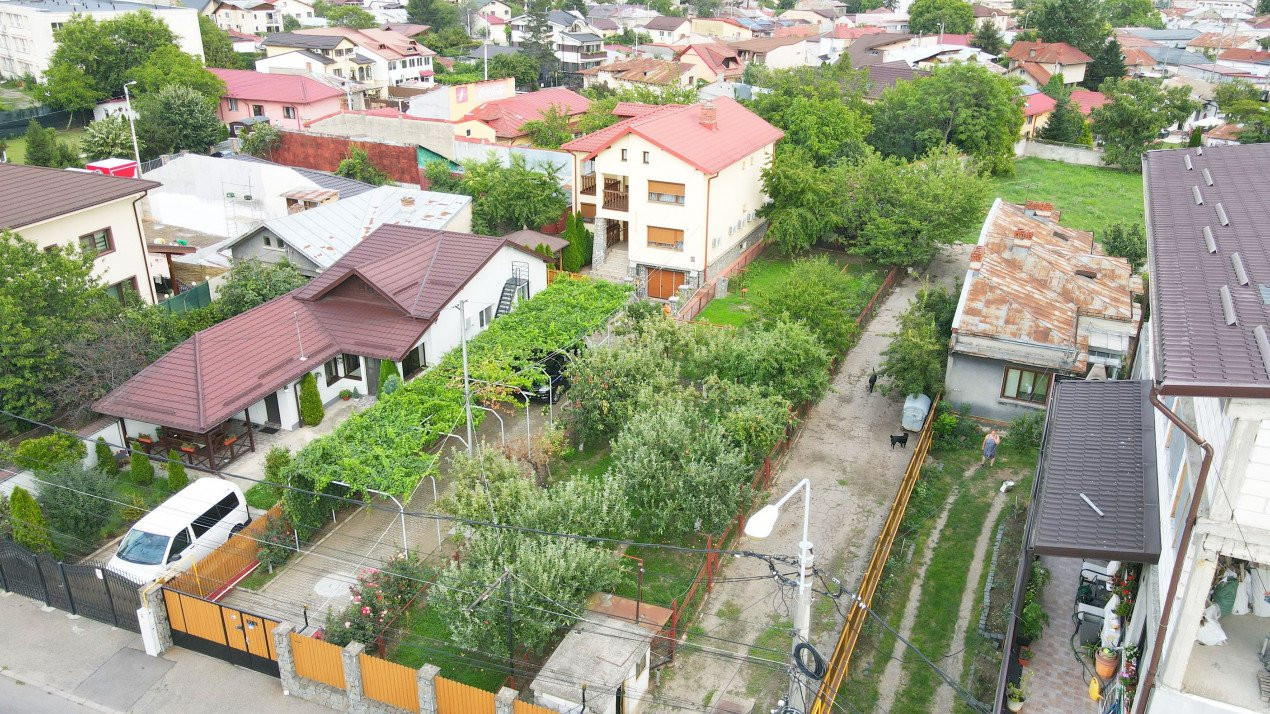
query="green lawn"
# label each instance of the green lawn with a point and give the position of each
(263, 496)
(16, 150)
(429, 643)
(767, 270)
(1089, 197)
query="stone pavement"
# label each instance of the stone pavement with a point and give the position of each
(1058, 683)
(57, 662)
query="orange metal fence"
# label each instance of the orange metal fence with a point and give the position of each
(221, 569)
(841, 658)
(393, 684)
(458, 698)
(318, 660)
(527, 708)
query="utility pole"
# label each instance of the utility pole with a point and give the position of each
(467, 383)
(511, 637)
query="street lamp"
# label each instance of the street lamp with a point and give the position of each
(132, 126)
(760, 525)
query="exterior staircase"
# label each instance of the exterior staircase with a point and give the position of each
(516, 284)
(615, 266)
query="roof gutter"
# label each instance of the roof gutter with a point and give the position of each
(1188, 527)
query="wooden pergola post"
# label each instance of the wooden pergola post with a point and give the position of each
(251, 438)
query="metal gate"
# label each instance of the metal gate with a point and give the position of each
(221, 631)
(88, 590)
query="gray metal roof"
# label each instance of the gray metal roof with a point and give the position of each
(325, 233)
(1174, 56)
(1210, 317)
(346, 187)
(1096, 494)
(582, 36)
(1178, 35)
(491, 51)
(293, 39)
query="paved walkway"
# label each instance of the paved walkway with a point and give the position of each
(53, 662)
(843, 448)
(1058, 682)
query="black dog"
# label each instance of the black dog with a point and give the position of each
(873, 379)
(902, 440)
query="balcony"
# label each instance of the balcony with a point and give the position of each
(588, 184)
(616, 200)
(588, 56)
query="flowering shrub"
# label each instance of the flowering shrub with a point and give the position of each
(1125, 584)
(378, 598)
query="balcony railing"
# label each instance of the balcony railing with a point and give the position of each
(588, 184)
(616, 200)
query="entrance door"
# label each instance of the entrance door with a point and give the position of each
(273, 415)
(372, 375)
(662, 284)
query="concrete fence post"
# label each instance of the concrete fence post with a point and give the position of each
(428, 674)
(286, 657)
(505, 701)
(152, 616)
(353, 675)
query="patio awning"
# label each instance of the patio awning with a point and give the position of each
(1097, 495)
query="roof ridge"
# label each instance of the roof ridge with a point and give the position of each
(198, 379)
(428, 273)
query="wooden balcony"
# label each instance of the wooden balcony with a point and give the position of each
(588, 184)
(616, 200)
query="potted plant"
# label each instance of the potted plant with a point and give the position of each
(1106, 662)
(1025, 656)
(1032, 620)
(346, 394)
(1016, 694)
(357, 393)
(145, 438)
(187, 447)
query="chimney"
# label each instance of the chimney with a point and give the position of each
(407, 201)
(709, 116)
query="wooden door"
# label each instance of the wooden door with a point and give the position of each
(662, 284)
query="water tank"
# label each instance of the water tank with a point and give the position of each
(916, 407)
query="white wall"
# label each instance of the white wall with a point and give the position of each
(483, 290)
(129, 259)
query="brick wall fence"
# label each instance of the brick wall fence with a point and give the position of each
(324, 153)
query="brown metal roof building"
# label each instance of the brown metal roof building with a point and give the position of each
(1210, 290)
(1039, 299)
(31, 194)
(378, 302)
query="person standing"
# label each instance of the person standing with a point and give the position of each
(990, 444)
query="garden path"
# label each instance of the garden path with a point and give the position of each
(891, 675)
(844, 450)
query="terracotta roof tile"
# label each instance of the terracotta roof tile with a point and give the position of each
(1244, 55)
(643, 70)
(677, 128)
(1216, 40)
(507, 116)
(1037, 104)
(1047, 52)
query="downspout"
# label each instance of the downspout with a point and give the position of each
(1149, 674)
(705, 268)
(145, 254)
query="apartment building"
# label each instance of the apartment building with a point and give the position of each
(672, 192)
(27, 26)
(389, 57)
(576, 42)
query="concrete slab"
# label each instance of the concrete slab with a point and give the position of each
(121, 680)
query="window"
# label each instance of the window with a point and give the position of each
(99, 242)
(1025, 385)
(414, 362)
(352, 366)
(333, 370)
(487, 316)
(288, 112)
(180, 542)
(645, 157)
(257, 110)
(665, 238)
(271, 241)
(623, 154)
(214, 515)
(125, 291)
(233, 104)
(663, 192)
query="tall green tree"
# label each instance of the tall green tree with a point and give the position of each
(1108, 64)
(913, 363)
(1137, 111)
(1263, 7)
(928, 17)
(98, 57)
(1076, 22)
(77, 503)
(436, 14)
(1067, 125)
(107, 138)
(44, 148)
(46, 299)
(168, 66)
(804, 205)
(960, 104)
(538, 43)
(988, 38)
(1126, 241)
(551, 129)
(1228, 94)
(358, 165)
(352, 16)
(1254, 120)
(252, 282)
(261, 140)
(1131, 13)
(311, 409)
(69, 87)
(508, 198)
(176, 118)
(520, 67)
(826, 129)
(218, 49)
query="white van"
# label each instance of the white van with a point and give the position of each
(181, 530)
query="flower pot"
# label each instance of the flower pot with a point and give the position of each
(1024, 662)
(1106, 665)
(343, 398)
(1013, 705)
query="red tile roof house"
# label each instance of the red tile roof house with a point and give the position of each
(286, 100)
(393, 296)
(673, 192)
(506, 117)
(1036, 62)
